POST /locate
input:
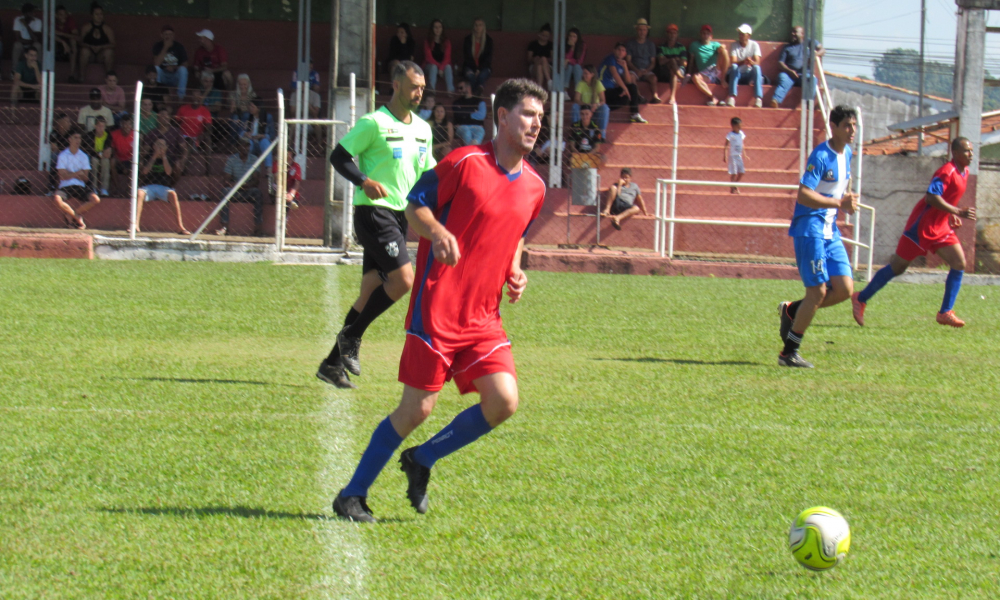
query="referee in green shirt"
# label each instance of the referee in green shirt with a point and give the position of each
(393, 148)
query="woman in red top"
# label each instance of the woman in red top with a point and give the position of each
(437, 56)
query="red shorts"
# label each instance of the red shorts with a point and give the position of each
(428, 368)
(909, 249)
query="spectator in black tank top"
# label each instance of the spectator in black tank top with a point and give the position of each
(540, 57)
(443, 130)
(401, 46)
(97, 42)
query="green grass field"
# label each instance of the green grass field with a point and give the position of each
(162, 436)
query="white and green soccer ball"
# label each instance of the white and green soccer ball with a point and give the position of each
(819, 538)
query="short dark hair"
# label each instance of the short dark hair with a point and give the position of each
(61, 115)
(956, 144)
(512, 91)
(841, 112)
(625, 171)
(405, 66)
(150, 69)
(546, 27)
(622, 44)
(60, 7)
(27, 8)
(736, 121)
(125, 117)
(100, 119)
(109, 74)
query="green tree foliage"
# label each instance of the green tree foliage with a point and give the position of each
(901, 67)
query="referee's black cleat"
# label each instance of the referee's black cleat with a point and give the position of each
(417, 477)
(786, 321)
(349, 349)
(335, 375)
(794, 360)
(353, 508)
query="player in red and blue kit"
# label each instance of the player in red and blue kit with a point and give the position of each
(472, 212)
(931, 228)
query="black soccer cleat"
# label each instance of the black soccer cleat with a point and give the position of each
(786, 321)
(353, 508)
(335, 375)
(349, 349)
(794, 360)
(417, 477)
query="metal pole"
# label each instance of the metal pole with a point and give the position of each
(282, 182)
(329, 175)
(347, 225)
(861, 157)
(656, 219)
(493, 98)
(597, 190)
(920, 107)
(239, 183)
(673, 169)
(136, 104)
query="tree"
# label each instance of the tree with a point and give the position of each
(901, 67)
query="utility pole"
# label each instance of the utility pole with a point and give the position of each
(920, 108)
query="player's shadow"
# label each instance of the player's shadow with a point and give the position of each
(208, 380)
(231, 511)
(682, 361)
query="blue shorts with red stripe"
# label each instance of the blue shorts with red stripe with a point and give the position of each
(428, 364)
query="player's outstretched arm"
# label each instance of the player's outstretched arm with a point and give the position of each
(443, 243)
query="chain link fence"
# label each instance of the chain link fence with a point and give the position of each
(988, 225)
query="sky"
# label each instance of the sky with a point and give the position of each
(855, 31)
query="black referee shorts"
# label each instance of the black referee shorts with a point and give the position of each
(382, 233)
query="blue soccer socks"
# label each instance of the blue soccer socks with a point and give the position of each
(468, 426)
(380, 449)
(951, 287)
(882, 277)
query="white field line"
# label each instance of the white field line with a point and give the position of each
(347, 567)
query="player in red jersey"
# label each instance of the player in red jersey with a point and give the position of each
(472, 212)
(931, 228)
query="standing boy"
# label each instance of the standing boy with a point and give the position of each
(733, 153)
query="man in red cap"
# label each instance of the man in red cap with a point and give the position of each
(707, 63)
(671, 59)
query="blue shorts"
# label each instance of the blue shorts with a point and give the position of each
(819, 260)
(156, 192)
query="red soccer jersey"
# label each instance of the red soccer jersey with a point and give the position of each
(294, 174)
(193, 121)
(488, 211)
(932, 223)
(210, 60)
(122, 145)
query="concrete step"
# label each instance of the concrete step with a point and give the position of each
(774, 137)
(700, 155)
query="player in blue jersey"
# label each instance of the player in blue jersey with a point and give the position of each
(819, 251)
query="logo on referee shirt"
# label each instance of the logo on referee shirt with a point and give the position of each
(397, 153)
(392, 249)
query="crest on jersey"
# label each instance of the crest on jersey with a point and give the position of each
(811, 167)
(392, 249)
(397, 153)
(829, 176)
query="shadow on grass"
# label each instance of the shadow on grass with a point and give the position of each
(227, 381)
(231, 511)
(683, 361)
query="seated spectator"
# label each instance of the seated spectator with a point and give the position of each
(585, 134)
(27, 78)
(177, 150)
(153, 89)
(170, 62)
(427, 104)
(147, 117)
(211, 97)
(293, 181)
(73, 168)
(478, 64)
(122, 140)
(590, 92)
(27, 33)
(671, 61)
(58, 141)
(707, 62)
(401, 47)
(619, 88)
(212, 58)
(315, 100)
(97, 144)
(444, 132)
(236, 167)
(96, 108)
(67, 34)
(195, 123)
(157, 181)
(437, 57)
(624, 199)
(791, 62)
(744, 54)
(540, 57)
(640, 54)
(259, 130)
(113, 95)
(97, 42)
(469, 114)
(239, 105)
(576, 50)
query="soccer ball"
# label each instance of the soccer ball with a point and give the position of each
(819, 538)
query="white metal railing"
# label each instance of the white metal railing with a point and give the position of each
(825, 98)
(134, 183)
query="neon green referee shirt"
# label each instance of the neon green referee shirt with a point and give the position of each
(390, 152)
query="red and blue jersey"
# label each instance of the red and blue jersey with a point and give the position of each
(488, 211)
(931, 223)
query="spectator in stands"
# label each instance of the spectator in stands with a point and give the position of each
(211, 96)
(540, 57)
(671, 61)
(147, 117)
(401, 46)
(707, 62)
(292, 183)
(97, 42)
(437, 57)
(236, 167)
(122, 156)
(791, 62)
(97, 144)
(211, 58)
(195, 123)
(427, 103)
(585, 137)
(27, 78)
(27, 33)
(153, 89)
(576, 51)
(73, 168)
(170, 62)
(469, 114)
(744, 56)
(177, 149)
(158, 184)
(590, 92)
(623, 200)
(67, 35)
(619, 88)
(113, 95)
(259, 130)
(478, 64)
(58, 141)
(93, 110)
(315, 100)
(443, 130)
(640, 54)
(733, 153)
(239, 105)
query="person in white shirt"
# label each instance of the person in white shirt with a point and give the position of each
(744, 55)
(733, 153)
(73, 167)
(27, 33)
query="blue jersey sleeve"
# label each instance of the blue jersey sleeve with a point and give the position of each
(936, 187)
(814, 170)
(425, 191)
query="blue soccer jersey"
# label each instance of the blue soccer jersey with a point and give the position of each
(828, 173)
